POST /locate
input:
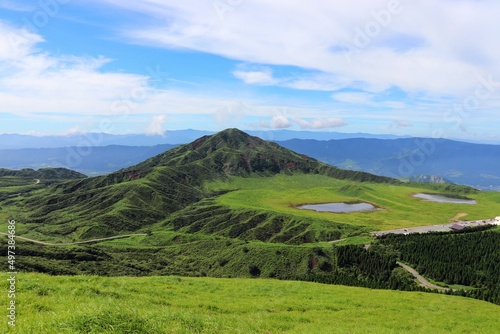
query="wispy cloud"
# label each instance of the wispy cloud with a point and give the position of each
(443, 61)
(36, 82)
(400, 124)
(353, 97)
(320, 123)
(427, 58)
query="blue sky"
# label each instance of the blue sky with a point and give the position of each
(426, 68)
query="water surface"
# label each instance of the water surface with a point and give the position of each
(339, 207)
(444, 199)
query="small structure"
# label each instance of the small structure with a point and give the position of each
(497, 220)
(456, 227)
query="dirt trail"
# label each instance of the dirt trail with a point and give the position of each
(335, 241)
(75, 243)
(423, 281)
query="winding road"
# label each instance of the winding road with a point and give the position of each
(423, 282)
(75, 243)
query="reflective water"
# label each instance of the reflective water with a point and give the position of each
(339, 207)
(444, 199)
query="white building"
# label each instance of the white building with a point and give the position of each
(497, 220)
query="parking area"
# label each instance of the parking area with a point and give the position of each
(455, 225)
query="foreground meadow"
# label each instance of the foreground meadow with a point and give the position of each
(91, 304)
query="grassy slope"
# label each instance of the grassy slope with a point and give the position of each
(19, 184)
(89, 304)
(149, 192)
(281, 193)
(274, 197)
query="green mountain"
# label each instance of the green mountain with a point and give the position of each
(155, 189)
(43, 173)
(16, 183)
(233, 152)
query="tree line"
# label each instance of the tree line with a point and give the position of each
(468, 259)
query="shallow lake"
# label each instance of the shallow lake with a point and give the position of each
(339, 207)
(444, 199)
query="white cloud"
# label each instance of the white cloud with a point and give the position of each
(39, 83)
(455, 39)
(320, 123)
(75, 130)
(264, 77)
(15, 43)
(156, 126)
(277, 122)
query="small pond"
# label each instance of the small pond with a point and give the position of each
(444, 199)
(339, 207)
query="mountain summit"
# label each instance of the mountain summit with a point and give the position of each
(234, 152)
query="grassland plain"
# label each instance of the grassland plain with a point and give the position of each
(99, 305)
(398, 208)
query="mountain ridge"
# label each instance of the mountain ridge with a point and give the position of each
(43, 173)
(151, 191)
(172, 137)
(475, 165)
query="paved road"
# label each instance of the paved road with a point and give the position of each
(75, 243)
(423, 281)
(437, 228)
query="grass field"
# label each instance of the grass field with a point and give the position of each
(399, 209)
(90, 304)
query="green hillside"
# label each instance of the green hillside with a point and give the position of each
(216, 175)
(226, 206)
(43, 173)
(14, 183)
(97, 305)
(151, 191)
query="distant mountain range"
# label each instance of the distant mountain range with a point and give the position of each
(476, 165)
(87, 160)
(15, 141)
(432, 160)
